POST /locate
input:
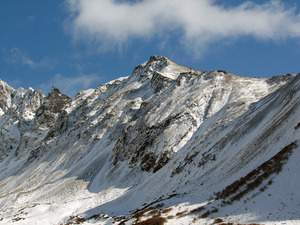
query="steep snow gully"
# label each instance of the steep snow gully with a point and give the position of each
(165, 145)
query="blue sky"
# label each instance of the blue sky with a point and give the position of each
(79, 44)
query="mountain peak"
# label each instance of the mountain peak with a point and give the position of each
(162, 65)
(57, 100)
(54, 91)
(158, 58)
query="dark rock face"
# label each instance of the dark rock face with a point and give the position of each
(53, 105)
(56, 101)
(158, 82)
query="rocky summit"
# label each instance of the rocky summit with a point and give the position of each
(166, 145)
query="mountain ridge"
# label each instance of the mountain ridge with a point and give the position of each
(168, 134)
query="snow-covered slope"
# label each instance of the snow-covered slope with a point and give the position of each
(167, 144)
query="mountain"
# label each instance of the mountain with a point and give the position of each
(165, 145)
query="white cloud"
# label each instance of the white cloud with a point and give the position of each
(109, 24)
(17, 56)
(71, 85)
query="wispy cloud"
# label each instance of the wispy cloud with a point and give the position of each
(31, 18)
(17, 56)
(110, 23)
(71, 85)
